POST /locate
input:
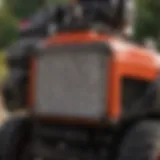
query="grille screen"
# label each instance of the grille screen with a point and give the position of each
(136, 96)
(71, 83)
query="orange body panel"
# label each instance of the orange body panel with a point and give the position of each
(74, 38)
(126, 61)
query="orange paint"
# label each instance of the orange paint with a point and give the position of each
(75, 38)
(113, 111)
(126, 61)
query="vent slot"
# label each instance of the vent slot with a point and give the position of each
(137, 96)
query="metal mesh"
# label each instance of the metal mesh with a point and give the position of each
(71, 84)
(137, 96)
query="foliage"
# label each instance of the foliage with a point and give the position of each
(23, 8)
(147, 23)
(8, 29)
(3, 66)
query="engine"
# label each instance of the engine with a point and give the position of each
(77, 82)
(80, 73)
(80, 16)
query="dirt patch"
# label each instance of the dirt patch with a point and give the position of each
(4, 115)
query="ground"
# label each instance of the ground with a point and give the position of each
(3, 73)
(3, 113)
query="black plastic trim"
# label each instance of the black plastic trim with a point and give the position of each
(98, 45)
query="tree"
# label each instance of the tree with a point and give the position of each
(23, 8)
(147, 23)
(8, 28)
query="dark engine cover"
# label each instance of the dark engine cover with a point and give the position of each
(16, 85)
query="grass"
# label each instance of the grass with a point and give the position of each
(3, 66)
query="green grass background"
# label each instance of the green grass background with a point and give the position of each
(3, 66)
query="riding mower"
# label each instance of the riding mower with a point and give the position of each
(89, 93)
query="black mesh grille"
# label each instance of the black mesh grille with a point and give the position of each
(137, 96)
(71, 83)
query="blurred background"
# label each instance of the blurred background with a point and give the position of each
(142, 25)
